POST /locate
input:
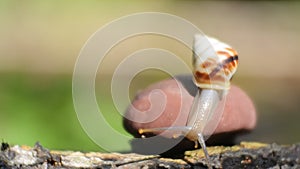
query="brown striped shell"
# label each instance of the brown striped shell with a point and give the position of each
(214, 63)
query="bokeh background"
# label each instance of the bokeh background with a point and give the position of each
(40, 41)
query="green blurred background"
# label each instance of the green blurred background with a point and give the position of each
(40, 41)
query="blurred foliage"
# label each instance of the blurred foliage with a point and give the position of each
(39, 108)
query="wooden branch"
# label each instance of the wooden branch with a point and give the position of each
(245, 155)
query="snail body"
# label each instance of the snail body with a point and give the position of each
(213, 69)
(214, 64)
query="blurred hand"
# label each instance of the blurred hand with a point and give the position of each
(161, 103)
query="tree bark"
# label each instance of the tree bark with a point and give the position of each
(246, 155)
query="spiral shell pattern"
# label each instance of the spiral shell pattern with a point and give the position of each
(214, 63)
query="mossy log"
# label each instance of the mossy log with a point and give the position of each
(245, 155)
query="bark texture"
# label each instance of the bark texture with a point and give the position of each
(246, 155)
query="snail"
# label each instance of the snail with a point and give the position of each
(213, 69)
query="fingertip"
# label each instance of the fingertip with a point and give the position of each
(239, 112)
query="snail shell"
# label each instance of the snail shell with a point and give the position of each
(213, 67)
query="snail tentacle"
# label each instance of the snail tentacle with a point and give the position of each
(202, 143)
